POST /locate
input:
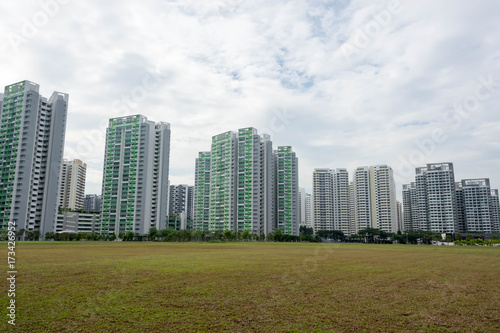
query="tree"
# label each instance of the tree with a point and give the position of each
(217, 234)
(20, 233)
(246, 234)
(228, 235)
(49, 235)
(196, 235)
(153, 233)
(427, 238)
(383, 236)
(185, 235)
(437, 238)
(369, 234)
(303, 230)
(278, 235)
(448, 238)
(398, 237)
(129, 236)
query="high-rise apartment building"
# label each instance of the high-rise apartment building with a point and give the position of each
(341, 201)
(399, 211)
(408, 195)
(236, 185)
(495, 211)
(249, 184)
(305, 208)
(383, 198)
(332, 200)
(302, 206)
(434, 207)
(435, 202)
(362, 199)
(287, 182)
(32, 130)
(135, 177)
(223, 176)
(352, 217)
(459, 193)
(369, 201)
(72, 184)
(181, 200)
(201, 197)
(309, 210)
(478, 205)
(92, 203)
(323, 200)
(374, 197)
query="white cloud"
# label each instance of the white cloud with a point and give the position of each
(229, 64)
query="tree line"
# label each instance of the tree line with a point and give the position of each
(377, 236)
(169, 235)
(367, 235)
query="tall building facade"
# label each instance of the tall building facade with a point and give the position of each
(495, 211)
(374, 198)
(461, 218)
(72, 184)
(477, 205)
(435, 202)
(135, 177)
(399, 206)
(287, 190)
(92, 203)
(362, 199)
(341, 201)
(32, 129)
(309, 210)
(323, 200)
(181, 200)
(236, 185)
(305, 209)
(302, 206)
(223, 175)
(408, 194)
(201, 196)
(369, 201)
(383, 198)
(433, 206)
(249, 181)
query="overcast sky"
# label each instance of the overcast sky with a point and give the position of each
(345, 83)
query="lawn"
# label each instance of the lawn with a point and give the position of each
(253, 287)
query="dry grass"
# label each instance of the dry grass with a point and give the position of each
(248, 287)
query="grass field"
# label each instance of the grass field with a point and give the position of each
(249, 287)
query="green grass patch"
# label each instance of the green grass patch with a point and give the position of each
(253, 287)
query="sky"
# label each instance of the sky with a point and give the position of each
(345, 83)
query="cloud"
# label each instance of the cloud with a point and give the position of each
(223, 65)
